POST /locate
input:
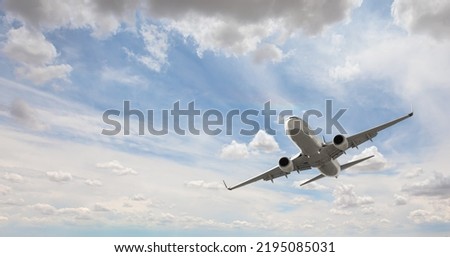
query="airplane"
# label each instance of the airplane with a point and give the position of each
(317, 154)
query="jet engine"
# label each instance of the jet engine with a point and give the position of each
(340, 142)
(286, 164)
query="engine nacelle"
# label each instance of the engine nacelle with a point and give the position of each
(340, 142)
(286, 164)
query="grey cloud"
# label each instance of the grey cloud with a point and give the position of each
(400, 200)
(138, 197)
(102, 16)
(436, 185)
(267, 52)
(23, 113)
(311, 16)
(100, 208)
(424, 17)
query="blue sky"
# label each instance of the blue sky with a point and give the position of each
(61, 69)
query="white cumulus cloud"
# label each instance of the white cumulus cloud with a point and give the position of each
(59, 176)
(117, 168)
(345, 197)
(234, 150)
(264, 142)
(93, 182)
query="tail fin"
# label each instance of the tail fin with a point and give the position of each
(349, 164)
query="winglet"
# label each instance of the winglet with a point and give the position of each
(226, 185)
(412, 111)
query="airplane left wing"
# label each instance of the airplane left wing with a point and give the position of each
(300, 162)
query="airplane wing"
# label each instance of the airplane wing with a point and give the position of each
(357, 139)
(300, 163)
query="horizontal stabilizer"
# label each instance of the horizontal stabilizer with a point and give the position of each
(348, 165)
(313, 179)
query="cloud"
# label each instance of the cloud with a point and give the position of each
(156, 46)
(100, 208)
(264, 142)
(117, 168)
(93, 182)
(340, 212)
(138, 197)
(413, 173)
(102, 17)
(14, 201)
(121, 76)
(45, 209)
(203, 184)
(292, 14)
(13, 177)
(59, 176)
(420, 216)
(374, 164)
(234, 150)
(23, 113)
(44, 74)
(49, 210)
(346, 72)
(36, 55)
(267, 52)
(345, 197)
(400, 200)
(261, 142)
(436, 185)
(3, 219)
(238, 27)
(423, 17)
(4, 190)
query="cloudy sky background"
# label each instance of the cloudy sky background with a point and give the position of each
(63, 63)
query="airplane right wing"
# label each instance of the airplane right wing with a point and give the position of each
(300, 162)
(357, 139)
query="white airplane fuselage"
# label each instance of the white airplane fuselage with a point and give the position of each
(300, 133)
